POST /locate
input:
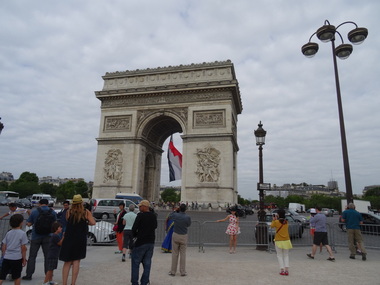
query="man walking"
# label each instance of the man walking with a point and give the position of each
(144, 230)
(179, 240)
(41, 218)
(320, 234)
(353, 220)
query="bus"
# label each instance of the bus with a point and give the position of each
(9, 195)
(130, 196)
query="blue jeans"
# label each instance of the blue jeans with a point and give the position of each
(141, 254)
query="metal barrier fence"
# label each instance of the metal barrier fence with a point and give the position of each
(211, 233)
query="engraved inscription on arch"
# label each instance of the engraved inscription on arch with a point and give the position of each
(207, 119)
(208, 164)
(117, 123)
(113, 166)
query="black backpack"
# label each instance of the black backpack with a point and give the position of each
(44, 221)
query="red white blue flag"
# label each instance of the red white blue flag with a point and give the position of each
(175, 162)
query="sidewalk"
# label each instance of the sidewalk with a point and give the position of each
(217, 266)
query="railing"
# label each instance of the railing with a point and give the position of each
(211, 233)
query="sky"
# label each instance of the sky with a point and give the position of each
(53, 55)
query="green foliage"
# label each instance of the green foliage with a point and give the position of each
(243, 201)
(48, 188)
(81, 188)
(170, 195)
(28, 177)
(315, 200)
(25, 188)
(372, 192)
(66, 191)
(3, 186)
(279, 201)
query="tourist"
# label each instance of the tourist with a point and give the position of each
(233, 228)
(179, 240)
(74, 245)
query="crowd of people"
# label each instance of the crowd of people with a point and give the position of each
(63, 237)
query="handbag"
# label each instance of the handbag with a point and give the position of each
(115, 228)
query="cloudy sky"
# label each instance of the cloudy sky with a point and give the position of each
(53, 54)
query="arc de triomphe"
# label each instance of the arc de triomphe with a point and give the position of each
(140, 109)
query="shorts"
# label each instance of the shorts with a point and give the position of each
(127, 241)
(51, 264)
(12, 266)
(320, 237)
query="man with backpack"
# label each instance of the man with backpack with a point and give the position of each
(42, 219)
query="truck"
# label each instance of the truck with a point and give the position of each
(299, 208)
(360, 206)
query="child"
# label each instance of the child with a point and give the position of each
(14, 250)
(53, 252)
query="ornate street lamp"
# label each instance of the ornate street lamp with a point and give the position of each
(261, 228)
(328, 33)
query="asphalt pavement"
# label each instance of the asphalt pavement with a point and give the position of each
(217, 266)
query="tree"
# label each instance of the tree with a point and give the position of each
(170, 195)
(81, 188)
(3, 186)
(26, 185)
(66, 191)
(48, 188)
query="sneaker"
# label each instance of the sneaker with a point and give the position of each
(123, 258)
(119, 251)
(171, 274)
(352, 256)
(310, 256)
(27, 278)
(364, 256)
(52, 283)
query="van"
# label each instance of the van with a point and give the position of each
(130, 196)
(37, 197)
(104, 208)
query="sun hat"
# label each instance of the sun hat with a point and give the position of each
(144, 203)
(77, 199)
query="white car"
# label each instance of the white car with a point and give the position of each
(101, 232)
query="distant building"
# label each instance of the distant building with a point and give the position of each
(304, 190)
(6, 176)
(366, 188)
(58, 181)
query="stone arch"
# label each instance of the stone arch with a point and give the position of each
(140, 109)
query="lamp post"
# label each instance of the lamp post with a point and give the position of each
(261, 229)
(1, 126)
(327, 33)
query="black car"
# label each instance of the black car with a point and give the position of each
(24, 203)
(371, 224)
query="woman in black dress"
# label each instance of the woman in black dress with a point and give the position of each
(75, 239)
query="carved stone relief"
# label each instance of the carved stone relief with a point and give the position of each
(122, 101)
(208, 168)
(117, 123)
(207, 119)
(113, 165)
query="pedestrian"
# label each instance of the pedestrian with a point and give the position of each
(61, 216)
(74, 245)
(166, 245)
(119, 226)
(282, 240)
(128, 221)
(14, 250)
(41, 219)
(179, 240)
(353, 220)
(320, 234)
(53, 254)
(313, 212)
(13, 209)
(143, 230)
(233, 228)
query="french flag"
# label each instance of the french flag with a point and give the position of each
(175, 162)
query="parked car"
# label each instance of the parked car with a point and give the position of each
(104, 208)
(5, 202)
(101, 232)
(335, 212)
(240, 211)
(371, 224)
(295, 228)
(328, 212)
(297, 217)
(24, 203)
